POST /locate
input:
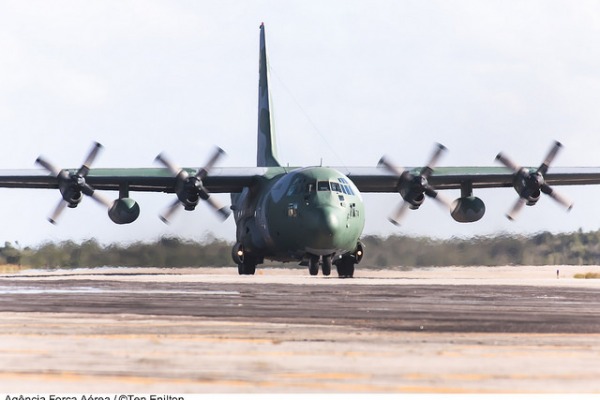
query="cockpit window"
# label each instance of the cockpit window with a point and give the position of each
(346, 186)
(296, 186)
(335, 187)
(323, 186)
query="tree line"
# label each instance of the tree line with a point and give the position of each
(576, 248)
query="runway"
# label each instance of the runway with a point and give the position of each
(179, 331)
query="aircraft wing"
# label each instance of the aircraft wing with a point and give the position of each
(219, 180)
(233, 180)
(380, 180)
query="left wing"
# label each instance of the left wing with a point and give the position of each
(190, 184)
(220, 180)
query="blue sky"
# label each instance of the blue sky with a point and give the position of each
(351, 81)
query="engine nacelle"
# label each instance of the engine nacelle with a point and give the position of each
(528, 186)
(468, 209)
(124, 211)
(412, 191)
(70, 194)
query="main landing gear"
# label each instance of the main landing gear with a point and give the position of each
(345, 266)
(313, 265)
(346, 262)
(246, 262)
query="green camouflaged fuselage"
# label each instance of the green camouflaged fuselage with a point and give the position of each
(313, 210)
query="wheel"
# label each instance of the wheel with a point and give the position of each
(313, 265)
(248, 267)
(345, 267)
(326, 265)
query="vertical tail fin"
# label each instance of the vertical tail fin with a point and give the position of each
(266, 155)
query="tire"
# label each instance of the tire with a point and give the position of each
(313, 265)
(246, 268)
(326, 265)
(345, 267)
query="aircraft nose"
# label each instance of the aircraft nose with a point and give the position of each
(324, 226)
(330, 219)
(324, 219)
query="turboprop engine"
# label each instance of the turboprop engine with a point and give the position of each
(414, 187)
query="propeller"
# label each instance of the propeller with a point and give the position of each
(414, 188)
(190, 189)
(530, 184)
(73, 184)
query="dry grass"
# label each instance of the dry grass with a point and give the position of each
(11, 269)
(587, 275)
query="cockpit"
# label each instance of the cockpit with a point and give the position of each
(341, 186)
(300, 186)
(309, 192)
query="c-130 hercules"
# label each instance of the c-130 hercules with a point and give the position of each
(312, 215)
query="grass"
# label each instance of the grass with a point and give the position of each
(11, 269)
(587, 275)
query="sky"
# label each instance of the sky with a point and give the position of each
(351, 81)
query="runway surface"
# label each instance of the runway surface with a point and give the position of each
(177, 331)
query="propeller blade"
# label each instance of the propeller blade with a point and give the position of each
(173, 168)
(88, 190)
(48, 166)
(507, 162)
(62, 204)
(202, 172)
(101, 199)
(400, 211)
(383, 162)
(512, 214)
(435, 157)
(438, 197)
(85, 168)
(222, 211)
(557, 197)
(549, 158)
(166, 216)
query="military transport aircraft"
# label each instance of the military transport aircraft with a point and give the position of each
(312, 215)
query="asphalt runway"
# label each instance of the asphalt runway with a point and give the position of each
(187, 331)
